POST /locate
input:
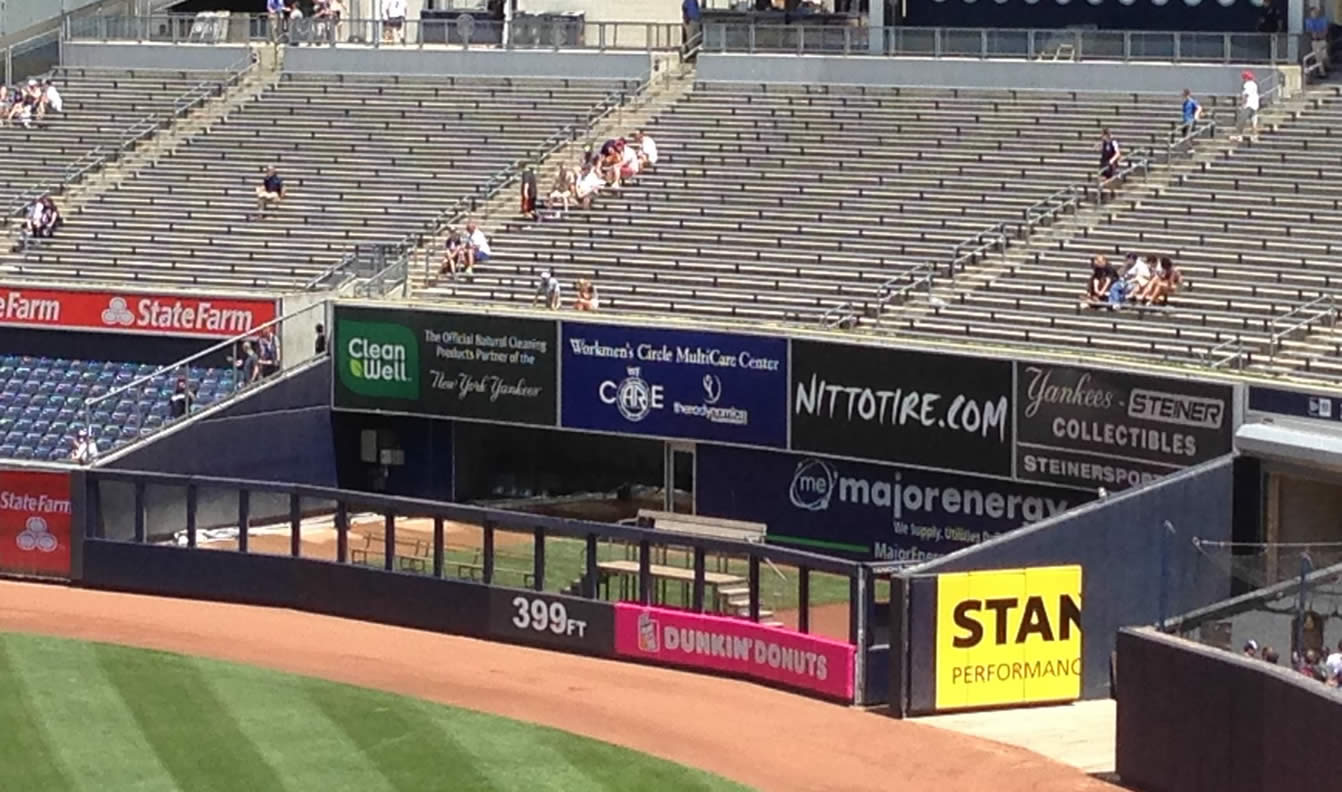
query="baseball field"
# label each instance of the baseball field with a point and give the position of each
(94, 716)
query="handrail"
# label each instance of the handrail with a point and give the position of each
(1321, 307)
(1311, 64)
(1176, 144)
(1049, 207)
(115, 393)
(967, 250)
(901, 287)
(1230, 352)
(838, 316)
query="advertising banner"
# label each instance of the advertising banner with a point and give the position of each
(735, 646)
(35, 523)
(1008, 637)
(898, 406)
(865, 511)
(1095, 428)
(132, 312)
(675, 383)
(553, 621)
(1299, 404)
(442, 364)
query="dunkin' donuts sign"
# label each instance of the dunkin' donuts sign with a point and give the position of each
(126, 312)
(35, 523)
(716, 643)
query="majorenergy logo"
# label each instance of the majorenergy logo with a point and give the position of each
(378, 359)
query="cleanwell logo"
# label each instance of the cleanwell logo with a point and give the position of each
(378, 359)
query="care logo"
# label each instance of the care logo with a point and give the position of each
(378, 359)
(633, 396)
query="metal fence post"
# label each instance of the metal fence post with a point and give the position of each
(1225, 47)
(698, 598)
(803, 599)
(1127, 46)
(801, 39)
(538, 559)
(1177, 47)
(1029, 44)
(244, 519)
(645, 572)
(1162, 600)
(983, 44)
(191, 515)
(936, 42)
(1299, 627)
(139, 512)
(589, 580)
(751, 30)
(295, 525)
(438, 546)
(389, 540)
(487, 553)
(753, 582)
(342, 531)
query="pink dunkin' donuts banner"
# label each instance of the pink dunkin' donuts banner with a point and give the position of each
(735, 646)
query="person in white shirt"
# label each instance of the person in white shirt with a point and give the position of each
(85, 448)
(1333, 663)
(1138, 274)
(589, 185)
(547, 289)
(647, 149)
(51, 99)
(477, 245)
(1250, 102)
(393, 21)
(629, 163)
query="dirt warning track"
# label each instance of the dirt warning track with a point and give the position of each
(769, 739)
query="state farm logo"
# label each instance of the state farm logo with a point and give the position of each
(35, 536)
(117, 313)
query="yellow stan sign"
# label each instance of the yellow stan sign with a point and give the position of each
(1008, 637)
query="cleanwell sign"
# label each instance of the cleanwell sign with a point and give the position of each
(675, 383)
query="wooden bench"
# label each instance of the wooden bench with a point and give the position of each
(699, 525)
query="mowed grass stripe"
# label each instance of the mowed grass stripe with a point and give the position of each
(400, 739)
(194, 733)
(99, 744)
(604, 766)
(28, 759)
(296, 738)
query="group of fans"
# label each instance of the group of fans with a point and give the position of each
(24, 104)
(1141, 280)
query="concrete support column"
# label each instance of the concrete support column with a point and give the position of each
(875, 22)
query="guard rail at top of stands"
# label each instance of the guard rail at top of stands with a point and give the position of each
(466, 30)
(141, 130)
(988, 43)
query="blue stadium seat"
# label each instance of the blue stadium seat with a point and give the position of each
(24, 452)
(8, 450)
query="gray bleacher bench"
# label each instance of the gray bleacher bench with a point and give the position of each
(698, 525)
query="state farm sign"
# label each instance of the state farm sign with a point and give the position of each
(164, 314)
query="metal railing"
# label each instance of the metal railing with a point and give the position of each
(549, 32)
(1013, 43)
(1300, 319)
(1139, 160)
(1231, 352)
(901, 288)
(843, 316)
(968, 251)
(146, 418)
(1184, 143)
(1047, 209)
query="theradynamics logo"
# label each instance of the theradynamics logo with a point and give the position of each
(378, 359)
(636, 399)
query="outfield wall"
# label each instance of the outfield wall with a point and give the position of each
(1133, 567)
(1192, 717)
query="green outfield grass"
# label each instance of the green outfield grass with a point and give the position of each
(84, 716)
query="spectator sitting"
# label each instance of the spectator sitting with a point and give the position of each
(182, 399)
(1333, 663)
(1102, 279)
(588, 186)
(1137, 275)
(85, 448)
(647, 149)
(629, 162)
(547, 289)
(610, 163)
(1165, 282)
(1250, 649)
(454, 254)
(477, 246)
(41, 219)
(52, 98)
(564, 190)
(586, 300)
(270, 193)
(1309, 665)
(1270, 655)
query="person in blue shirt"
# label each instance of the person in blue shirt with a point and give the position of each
(689, 17)
(1316, 25)
(1192, 114)
(271, 191)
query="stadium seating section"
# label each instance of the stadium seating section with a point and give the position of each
(364, 161)
(42, 402)
(782, 203)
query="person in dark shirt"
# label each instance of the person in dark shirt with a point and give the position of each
(1110, 154)
(1102, 278)
(529, 193)
(268, 353)
(1271, 20)
(271, 191)
(247, 364)
(319, 346)
(182, 399)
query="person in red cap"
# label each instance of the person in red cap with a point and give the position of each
(1249, 102)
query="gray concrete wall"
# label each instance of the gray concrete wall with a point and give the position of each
(20, 14)
(144, 55)
(468, 63)
(964, 73)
